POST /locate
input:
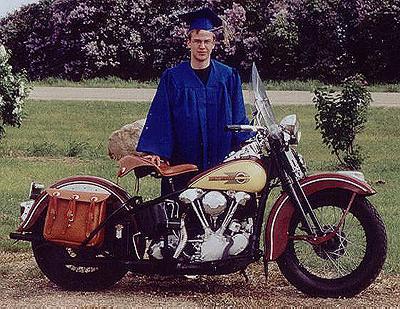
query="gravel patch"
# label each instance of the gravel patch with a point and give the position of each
(23, 285)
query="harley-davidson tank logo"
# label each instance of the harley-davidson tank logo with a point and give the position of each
(232, 178)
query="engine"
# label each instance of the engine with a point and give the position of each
(202, 226)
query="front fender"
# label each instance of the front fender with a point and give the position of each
(277, 227)
(85, 183)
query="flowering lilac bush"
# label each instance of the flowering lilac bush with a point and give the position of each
(375, 43)
(316, 27)
(289, 39)
(27, 34)
(13, 91)
(96, 38)
(77, 39)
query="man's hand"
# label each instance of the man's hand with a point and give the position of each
(156, 160)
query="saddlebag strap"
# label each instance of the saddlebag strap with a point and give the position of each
(52, 211)
(93, 213)
(73, 215)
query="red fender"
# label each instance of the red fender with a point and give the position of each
(40, 203)
(276, 232)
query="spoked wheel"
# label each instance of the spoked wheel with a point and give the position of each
(347, 263)
(56, 263)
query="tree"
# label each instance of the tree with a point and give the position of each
(13, 91)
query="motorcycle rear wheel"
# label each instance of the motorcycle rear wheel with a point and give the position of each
(52, 261)
(345, 265)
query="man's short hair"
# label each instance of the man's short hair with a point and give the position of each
(189, 34)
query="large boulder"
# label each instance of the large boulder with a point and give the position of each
(124, 141)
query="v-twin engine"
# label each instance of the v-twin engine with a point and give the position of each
(202, 226)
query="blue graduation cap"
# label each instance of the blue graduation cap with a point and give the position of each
(203, 19)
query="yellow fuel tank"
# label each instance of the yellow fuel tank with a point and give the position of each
(239, 175)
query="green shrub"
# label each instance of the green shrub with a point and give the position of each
(75, 148)
(42, 149)
(340, 116)
(13, 91)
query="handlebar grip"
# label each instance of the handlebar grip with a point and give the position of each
(233, 127)
(243, 128)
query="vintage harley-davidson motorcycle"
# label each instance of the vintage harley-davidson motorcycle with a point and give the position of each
(327, 238)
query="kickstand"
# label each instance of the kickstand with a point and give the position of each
(243, 273)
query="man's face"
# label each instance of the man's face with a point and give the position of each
(201, 44)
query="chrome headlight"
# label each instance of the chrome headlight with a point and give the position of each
(291, 125)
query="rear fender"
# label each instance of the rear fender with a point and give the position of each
(84, 183)
(277, 228)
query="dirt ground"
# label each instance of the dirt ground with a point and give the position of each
(23, 285)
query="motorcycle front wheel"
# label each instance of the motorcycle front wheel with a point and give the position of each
(349, 262)
(53, 261)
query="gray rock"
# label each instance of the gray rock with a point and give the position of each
(124, 141)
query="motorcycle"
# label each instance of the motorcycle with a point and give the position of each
(325, 235)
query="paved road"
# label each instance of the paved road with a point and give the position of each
(137, 95)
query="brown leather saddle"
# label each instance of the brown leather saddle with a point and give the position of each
(143, 167)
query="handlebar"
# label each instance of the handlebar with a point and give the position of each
(244, 128)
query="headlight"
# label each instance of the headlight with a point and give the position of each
(291, 125)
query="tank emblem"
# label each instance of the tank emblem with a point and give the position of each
(232, 178)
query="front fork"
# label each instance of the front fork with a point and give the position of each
(291, 185)
(309, 221)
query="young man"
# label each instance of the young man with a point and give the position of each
(194, 102)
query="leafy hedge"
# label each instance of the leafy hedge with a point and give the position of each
(289, 39)
(13, 92)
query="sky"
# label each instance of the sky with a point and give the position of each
(7, 6)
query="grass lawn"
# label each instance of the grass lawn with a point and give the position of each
(115, 82)
(60, 139)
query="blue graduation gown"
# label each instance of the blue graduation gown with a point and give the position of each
(186, 121)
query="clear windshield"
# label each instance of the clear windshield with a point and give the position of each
(264, 114)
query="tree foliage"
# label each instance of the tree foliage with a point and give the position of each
(13, 91)
(341, 116)
(289, 39)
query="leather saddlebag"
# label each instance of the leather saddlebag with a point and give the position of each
(73, 215)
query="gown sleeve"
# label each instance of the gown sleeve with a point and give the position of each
(238, 110)
(156, 137)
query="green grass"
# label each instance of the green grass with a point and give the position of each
(116, 82)
(60, 139)
(395, 87)
(98, 82)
